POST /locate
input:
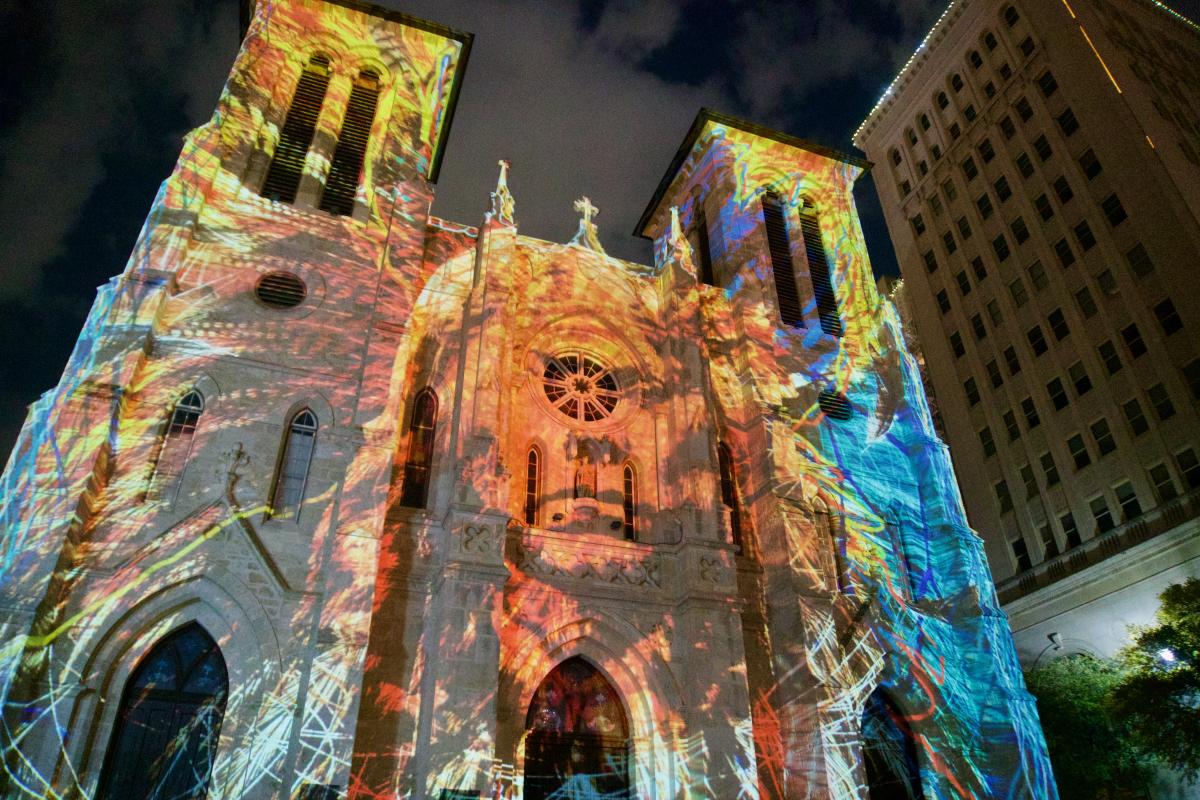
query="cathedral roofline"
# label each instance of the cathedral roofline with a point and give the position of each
(246, 13)
(707, 115)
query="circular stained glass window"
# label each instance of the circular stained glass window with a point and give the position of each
(580, 387)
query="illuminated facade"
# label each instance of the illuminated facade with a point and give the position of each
(1038, 169)
(339, 499)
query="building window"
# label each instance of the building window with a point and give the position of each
(1017, 290)
(1164, 409)
(1106, 281)
(1003, 497)
(176, 444)
(986, 151)
(1191, 374)
(1079, 377)
(729, 493)
(698, 238)
(964, 228)
(964, 283)
(533, 485)
(943, 301)
(1044, 209)
(1114, 210)
(1003, 191)
(1030, 481)
(905, 188)
(1005, 71)
(1021, 555)
(1058, 394)
(911, 135)
(1102, 435)
(1047, 83)
(1101, 514)
(957, 346)
(972, 391)
(417, 469)
(1108, 354)
(969, 113)
(1000, 245)
(1024, 109)
(1058, 324)
(1139, 260)
(1063, 189)
(1066, 256)
(1020, 231)
(923, 121)
(1133, 340)
(918, 224)
(293, 467)
(931, 264)
(1134, 416)
(1029, 409)
(1049, 469)
(984, 204)
(948, 241)
(1024, 166)
(1164, 485)
(1068, 123)
(1090, 164)
(976, 62)
(993, 370)
(949, 190)
(1079, 452)
(818, 270)
(1168, 317)
(1011, 17)
(942, 100)
(977, 327)
(1070, 529)
(1083, 233)
(779, 245)
(1042, 147)
(346, 166)
(1007, 127)
(978, 268)
(1049, 545)
(969, 169)
(993, 309)
(1010, 425)
(1087, 305)
(1037, 341)
(1010, 358)
(1189, 468)
(989, 89)
(1027, 46)
(989, 40)
(1128, 500)
(895, 154)
(629, 501)
(955, 130)
(296, 135)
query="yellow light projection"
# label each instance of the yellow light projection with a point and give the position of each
(340, 499)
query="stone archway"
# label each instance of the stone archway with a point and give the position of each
(578, 742)
(889, 751)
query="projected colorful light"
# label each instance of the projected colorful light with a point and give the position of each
(446, 511)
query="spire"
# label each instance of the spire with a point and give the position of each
(588, 234)
(502, 199)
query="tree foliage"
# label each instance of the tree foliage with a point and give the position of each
(1091, 750)
(1158, 698)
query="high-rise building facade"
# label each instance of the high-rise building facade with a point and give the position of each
(1039, 167)
(336, 498)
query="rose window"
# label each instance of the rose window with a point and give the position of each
(580, 387)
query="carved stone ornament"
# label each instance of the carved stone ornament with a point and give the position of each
(593, 567)
(713, 570)
(480, 539)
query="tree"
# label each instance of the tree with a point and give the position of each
(1158, 698)
(1090, 749)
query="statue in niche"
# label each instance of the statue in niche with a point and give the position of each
(585, 473)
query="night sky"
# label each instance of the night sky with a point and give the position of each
(584, 97)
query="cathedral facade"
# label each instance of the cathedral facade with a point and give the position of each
(336, 498)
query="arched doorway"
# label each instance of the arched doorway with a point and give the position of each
(577, 745)
(165, 734)
(889, 752)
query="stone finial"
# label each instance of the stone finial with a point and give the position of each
(502, 199)
(679, 249)
(588, 233)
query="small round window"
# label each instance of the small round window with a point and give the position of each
(580, 387)
(280, 290)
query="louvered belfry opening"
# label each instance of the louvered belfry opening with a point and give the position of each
(818, 268)
(781, 261)
(351, 150)
(283, 177)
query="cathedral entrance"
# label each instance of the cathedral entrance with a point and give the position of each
(577, 745)
(165, 734)
(889, 752)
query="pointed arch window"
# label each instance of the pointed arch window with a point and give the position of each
(293, 467)
(780, 248)
(415, 493)
(818, 269)
(629, 501)
(346, 166)
(176, 444)
(899, 553)
(296, 135)
(889, 756)
(729, 493)
(533, 485)
(165, 734)
(828, 530)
